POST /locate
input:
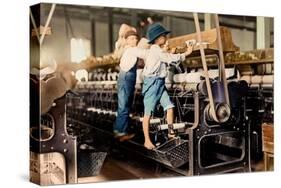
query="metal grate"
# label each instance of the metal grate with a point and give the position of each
(173, 153)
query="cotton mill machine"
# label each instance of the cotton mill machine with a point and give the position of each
(221, 98)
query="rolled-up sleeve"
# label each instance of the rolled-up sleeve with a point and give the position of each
(138, 52)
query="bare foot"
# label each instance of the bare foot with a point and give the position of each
(171, 136)
(149, 145)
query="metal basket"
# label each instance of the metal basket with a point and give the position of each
(90, 163)
(173, 153)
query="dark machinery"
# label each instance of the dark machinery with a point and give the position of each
(260, 109)
(48, 134)
(57, 154)
(202, 146)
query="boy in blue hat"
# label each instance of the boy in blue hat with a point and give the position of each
(126, 84)
(154, 72)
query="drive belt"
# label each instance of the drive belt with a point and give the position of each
(222, 75)
(221, 56)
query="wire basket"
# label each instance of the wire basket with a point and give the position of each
(90, 163)
(173, 153)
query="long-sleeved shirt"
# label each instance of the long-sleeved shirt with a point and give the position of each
(130, 57)
(156, 60)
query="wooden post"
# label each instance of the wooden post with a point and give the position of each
(207, 21)
(110, 29)
(260, 32)
(93, 36)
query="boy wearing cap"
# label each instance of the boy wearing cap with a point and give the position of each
(154, 72)
(126, 84)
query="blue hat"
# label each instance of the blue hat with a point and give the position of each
(154, 31)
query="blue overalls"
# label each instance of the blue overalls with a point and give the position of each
(126, 87)
(154, 91)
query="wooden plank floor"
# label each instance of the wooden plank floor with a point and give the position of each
(119, 169)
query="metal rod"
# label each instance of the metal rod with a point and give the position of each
(175, 126)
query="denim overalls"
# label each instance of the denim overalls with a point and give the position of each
(126, 87)
(154, 91)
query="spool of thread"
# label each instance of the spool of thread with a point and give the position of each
(95, 74)
(152, 121)
(104, 76)
(91, 76)
(82, 74)
(175, 126)
(193, 77)
(179, 78)
(267, 79)
(229, 72)
(256, 79)
(114, 76)
(191, 87)
(267, 85)
(214, 73)
(109, 76)
(99, 77)
(109, 73)
(254, 85)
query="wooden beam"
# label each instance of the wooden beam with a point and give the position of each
(209, 39)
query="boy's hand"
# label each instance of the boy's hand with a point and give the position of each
(173, 50)
(189, 44)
